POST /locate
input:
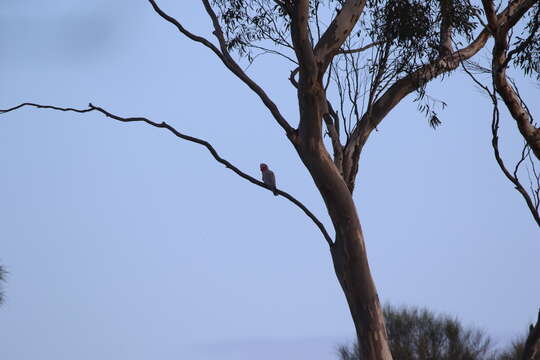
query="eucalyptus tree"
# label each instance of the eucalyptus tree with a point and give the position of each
(351, 63)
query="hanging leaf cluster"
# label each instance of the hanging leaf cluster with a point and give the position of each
(527, 45)
(413, 28)
(406, 34)
(247, 23)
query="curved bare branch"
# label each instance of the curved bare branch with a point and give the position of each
(184, 31)
(361, 49)
(180, 135)
(533, 202)
(512, 177)
(229, 62)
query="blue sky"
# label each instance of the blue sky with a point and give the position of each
(124, 242)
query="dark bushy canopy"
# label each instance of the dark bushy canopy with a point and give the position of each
(419, 334)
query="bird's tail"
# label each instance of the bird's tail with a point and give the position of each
(275, 191)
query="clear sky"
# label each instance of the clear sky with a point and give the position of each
(123, 242)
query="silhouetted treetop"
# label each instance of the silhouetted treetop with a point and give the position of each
(412, 26)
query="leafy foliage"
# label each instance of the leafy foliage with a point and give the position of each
(412, 26)
(249, 23)
(527, 45)
(406, 34)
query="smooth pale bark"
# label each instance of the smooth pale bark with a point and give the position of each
(349, 252)
(337, 32)
(500, 26)
(517, 109)
(352, 270)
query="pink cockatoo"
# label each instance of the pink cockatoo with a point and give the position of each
(269, 178)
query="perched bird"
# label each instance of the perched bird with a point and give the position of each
(269, 178)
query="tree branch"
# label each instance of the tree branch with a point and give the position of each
(514, 179)
(500, 60)
(331, 119)
(445, 45)
(302, 42)
(403, 87)
(338, 31)
(207, 145)
(515, 11)
(184, 31)
(491, 14)
(361, 49)
(229, 62)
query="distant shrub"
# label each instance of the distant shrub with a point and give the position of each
(2, 279)
(419, 334)
(515, 351)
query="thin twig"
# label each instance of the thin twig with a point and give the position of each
(532, 204)
(363, 48)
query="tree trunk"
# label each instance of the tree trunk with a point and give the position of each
(352, 270)
(349, 252)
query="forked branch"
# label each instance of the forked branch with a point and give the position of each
(415, 80)
(180, 135)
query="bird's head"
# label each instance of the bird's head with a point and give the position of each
(264, 167)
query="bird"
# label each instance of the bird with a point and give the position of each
(269, 178)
